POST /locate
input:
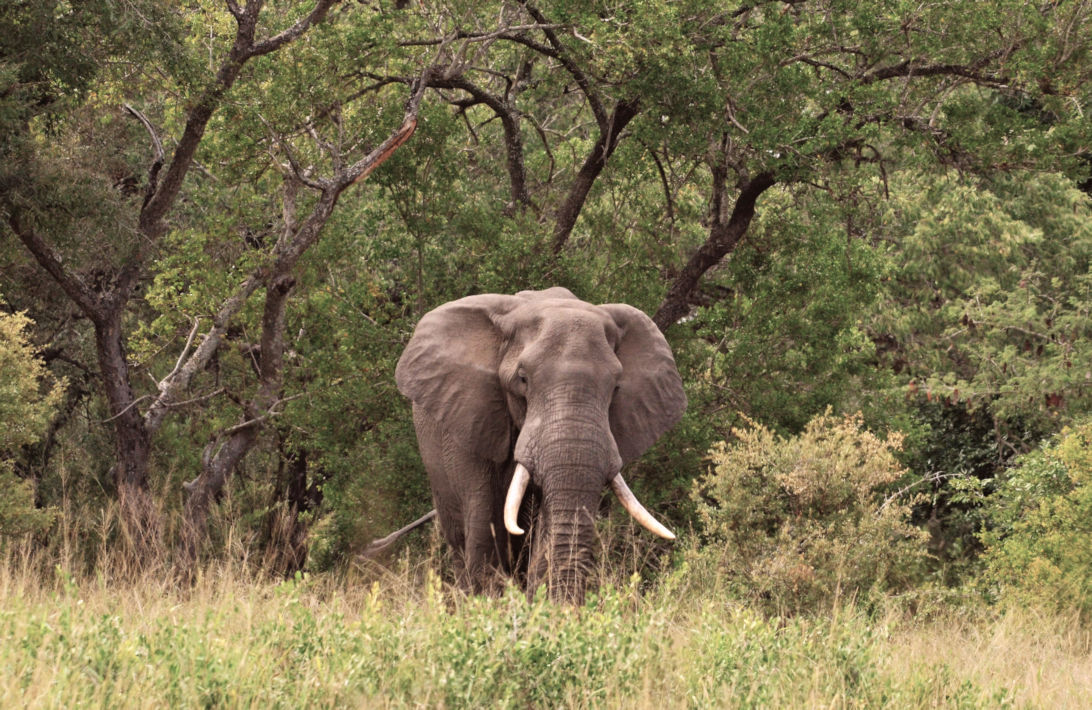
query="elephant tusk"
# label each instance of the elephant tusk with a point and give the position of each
(638, 511)
(512, 501)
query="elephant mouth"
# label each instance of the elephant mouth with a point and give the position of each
(521, 478)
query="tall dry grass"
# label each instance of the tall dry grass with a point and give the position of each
(86, 622)
(1036, 658)
(111, 634)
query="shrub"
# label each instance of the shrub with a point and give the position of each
(24, 414)
(1039, 539)
(800, 522)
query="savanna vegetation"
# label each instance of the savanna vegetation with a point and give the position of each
(865, 229)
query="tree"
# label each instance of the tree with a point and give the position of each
(805, 90)
(989, 305)
(106, 299)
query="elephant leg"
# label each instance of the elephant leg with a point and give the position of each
(468, 506)
(486, 558)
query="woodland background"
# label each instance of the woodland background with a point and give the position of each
(864, 227)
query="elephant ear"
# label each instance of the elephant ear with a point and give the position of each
(650, 398)
(449, 369)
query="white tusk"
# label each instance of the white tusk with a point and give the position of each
(638, 511)
(512, 501)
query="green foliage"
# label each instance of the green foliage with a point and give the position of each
(785, 335)
(18, 514)
(990, 300)
(25, 411)
(799, 523)
(1039, 539)
(984, 322)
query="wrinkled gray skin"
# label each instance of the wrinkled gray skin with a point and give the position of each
(570, 390)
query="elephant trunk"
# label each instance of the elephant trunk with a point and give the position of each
(564, 549)
(571, 471)
(568, 449)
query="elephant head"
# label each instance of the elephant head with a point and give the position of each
(537, 389)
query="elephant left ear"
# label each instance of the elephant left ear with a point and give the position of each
(650, 398)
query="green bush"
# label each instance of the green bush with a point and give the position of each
(1039, 542)
(800, 522)
(25, 411)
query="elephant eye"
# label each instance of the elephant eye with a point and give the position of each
(522, 376)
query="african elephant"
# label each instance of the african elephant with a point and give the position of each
(526, 407)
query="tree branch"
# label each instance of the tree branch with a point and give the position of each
(157, 160)
(724, 235)
(917, 68)
(560, 54)
(377, 547)
(172, 386)
(609, 135)
(513, 141)
(197, 118)
(364, 167)
(317, 15)
(289, 249)
(86, 299)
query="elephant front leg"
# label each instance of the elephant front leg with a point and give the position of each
(489, 557)
(468, 495)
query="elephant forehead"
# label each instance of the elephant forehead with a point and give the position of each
(567, 319)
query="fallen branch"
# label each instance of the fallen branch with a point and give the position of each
(377, 547)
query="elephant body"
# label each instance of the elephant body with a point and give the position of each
(526, 407)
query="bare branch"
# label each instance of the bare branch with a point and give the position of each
(513, 140)
(184, 353)
(288, 208)
(545, 146)
(317, 15)
(132, 404)
(197, 118)
(201, 398)
(918, 68)
(512, 33)
(669, 201)
(377, 547)
(364, 167)
(171, 387)
(302, 175)
(559, 53)
(157, 146)
(334, 153)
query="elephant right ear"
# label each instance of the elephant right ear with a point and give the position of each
(449, 369)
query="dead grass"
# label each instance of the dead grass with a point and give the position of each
(1040, 659)
(397, 637)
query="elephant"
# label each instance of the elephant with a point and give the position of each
(526, 407)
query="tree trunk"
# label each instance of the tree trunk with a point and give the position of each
(286, 535)
(138, 510)
(218, 462)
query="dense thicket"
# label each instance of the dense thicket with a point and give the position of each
(224, 219)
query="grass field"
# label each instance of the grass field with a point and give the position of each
(404, 640)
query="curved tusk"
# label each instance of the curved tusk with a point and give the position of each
(638, 511)
(512, 501)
